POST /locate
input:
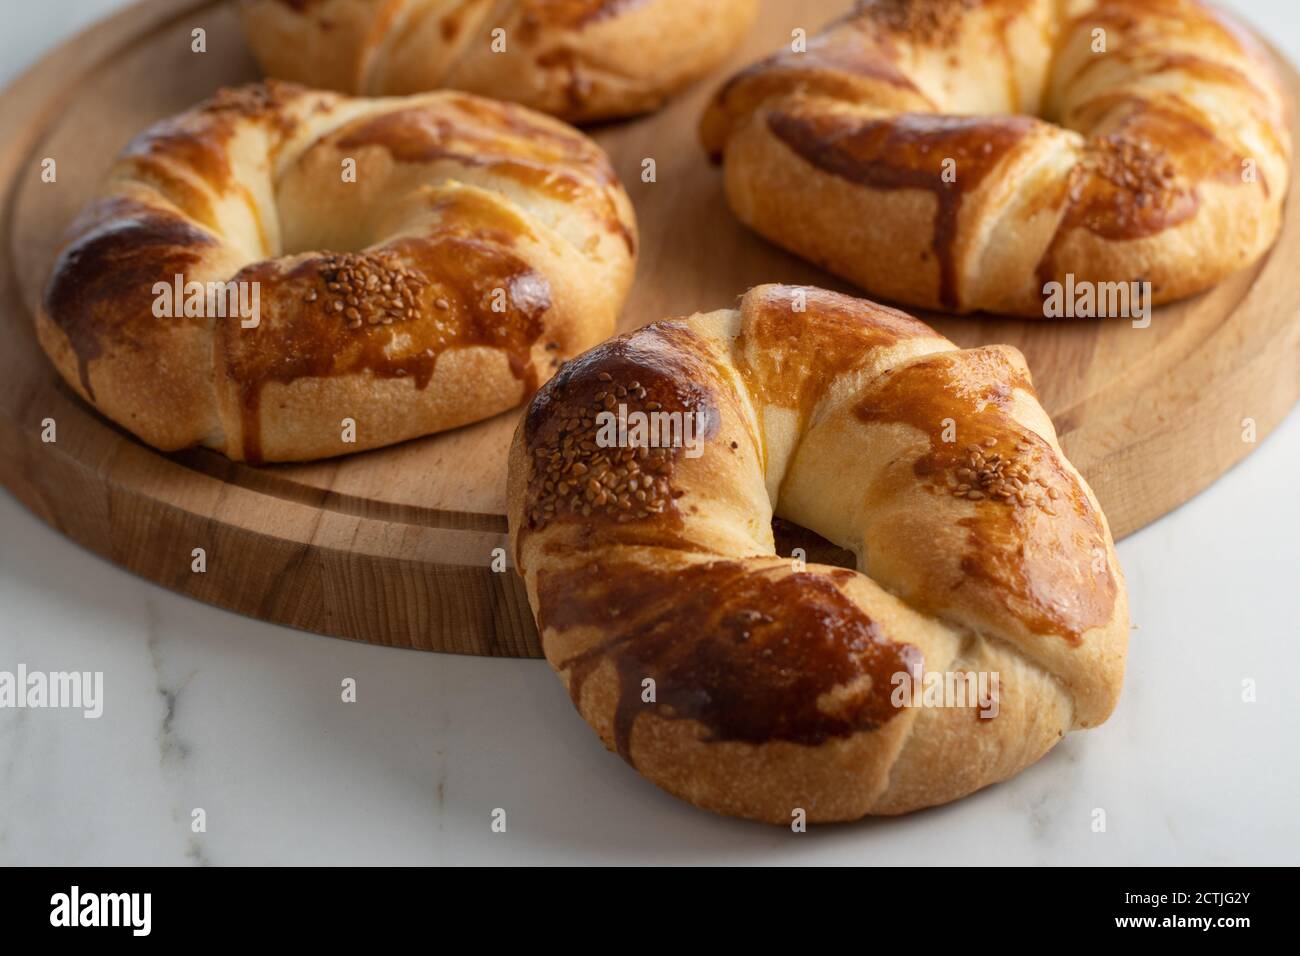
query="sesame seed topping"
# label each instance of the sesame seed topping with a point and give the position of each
(369, 289)
(573, 474)
(927, 21)
(985, 474)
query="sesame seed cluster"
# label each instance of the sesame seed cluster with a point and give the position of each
(574, 475)
(1133, 166)
(366, 289)
(927, 20)
(256, 99)
(988, 474)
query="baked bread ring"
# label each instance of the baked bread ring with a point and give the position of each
(888, 152)
(581, 60)
(652, 571)
(406, 265)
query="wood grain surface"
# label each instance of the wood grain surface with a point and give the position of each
(396, 546)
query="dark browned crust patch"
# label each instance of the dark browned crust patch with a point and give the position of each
(654, 370)
(101, 289)
(753, 654)
(908, 151)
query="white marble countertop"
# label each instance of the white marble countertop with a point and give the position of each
(205, 709)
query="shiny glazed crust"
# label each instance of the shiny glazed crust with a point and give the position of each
(1163, 153)
(581, 60)
(473, 247)
(980, 549)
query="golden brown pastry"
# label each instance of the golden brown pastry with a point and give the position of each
(963, 154)
(751, 685)
(581, 60)
(282, 274)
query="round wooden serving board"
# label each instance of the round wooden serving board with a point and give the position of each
(396, 546)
